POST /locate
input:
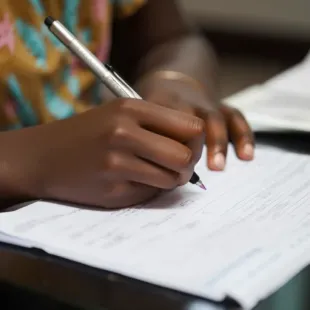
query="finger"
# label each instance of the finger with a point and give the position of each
(126, 167)
(195, 144)
(216, 140)
(127, 194)
(165, 121)
(240, 133)
(159, 150)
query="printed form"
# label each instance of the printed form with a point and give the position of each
(244, 237)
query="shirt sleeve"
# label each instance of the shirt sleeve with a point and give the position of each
(125, 8)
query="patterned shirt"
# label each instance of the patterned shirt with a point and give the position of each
(40, 80)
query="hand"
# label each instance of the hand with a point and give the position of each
(117, 155)
(222, 123)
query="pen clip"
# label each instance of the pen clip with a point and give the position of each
(120, 80)
(111, 69)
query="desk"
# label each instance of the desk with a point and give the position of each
(88, 288)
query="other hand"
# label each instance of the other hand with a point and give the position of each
(222, 123)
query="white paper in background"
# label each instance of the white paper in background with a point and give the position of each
(245, 236)
(295, 80)
(281, 104)
(246, 102)
(244, 98)
(274, 110)
(307, 58)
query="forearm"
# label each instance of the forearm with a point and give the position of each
(189, 54)
(13, 181)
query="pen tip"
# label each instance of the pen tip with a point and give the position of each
(201, 185)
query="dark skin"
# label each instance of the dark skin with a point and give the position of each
(171, 45)
(127, 151)
(118, 155)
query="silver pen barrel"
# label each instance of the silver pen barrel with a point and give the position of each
(104, 73)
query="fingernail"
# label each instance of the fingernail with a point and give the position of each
(248, 151)
(219, 161)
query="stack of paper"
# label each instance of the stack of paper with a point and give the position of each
(282, 103)
(244, 237)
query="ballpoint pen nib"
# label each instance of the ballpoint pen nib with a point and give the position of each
(201, 185)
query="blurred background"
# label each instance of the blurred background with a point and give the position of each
(255, 39)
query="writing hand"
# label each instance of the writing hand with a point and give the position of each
(117, 155)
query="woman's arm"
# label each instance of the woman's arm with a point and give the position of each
(157, 38)
(156, 41)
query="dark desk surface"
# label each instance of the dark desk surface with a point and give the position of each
(88, 288)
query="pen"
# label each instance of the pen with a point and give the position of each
(104, 72)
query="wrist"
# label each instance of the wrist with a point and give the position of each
(178, 83)
(16, 179)
(171, 86)
(176, 76)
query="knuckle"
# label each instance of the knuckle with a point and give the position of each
(113, 162)
(196, 124)
(186, 158)
(120, 132)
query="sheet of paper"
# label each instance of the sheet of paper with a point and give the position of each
(244, 237)
(282, 103)
(274, 110)
(294, 80)
(247, 102)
